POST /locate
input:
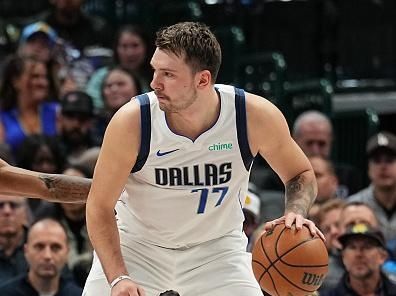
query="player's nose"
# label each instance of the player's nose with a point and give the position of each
(155, 83)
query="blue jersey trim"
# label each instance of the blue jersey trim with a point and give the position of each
(241, 124)
(145, 122)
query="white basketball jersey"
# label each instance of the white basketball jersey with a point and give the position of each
(182, 192)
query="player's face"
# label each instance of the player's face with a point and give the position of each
(173, 82)
(363, 258)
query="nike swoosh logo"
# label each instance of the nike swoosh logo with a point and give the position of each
(159, 153)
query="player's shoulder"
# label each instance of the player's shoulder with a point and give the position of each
(254, 103)
(128, 115)
(260, 106)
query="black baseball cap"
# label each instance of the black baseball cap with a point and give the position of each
(362, 230)
(77, 102)
(383, 141)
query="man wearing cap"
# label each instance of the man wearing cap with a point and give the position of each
(381, 194)
(37, 40)
(363, 253)
(75, 123)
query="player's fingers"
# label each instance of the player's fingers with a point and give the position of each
(289, 219)
(271, 224)
(320, 234)
(314, 230)
(300, 221)
(141, 292)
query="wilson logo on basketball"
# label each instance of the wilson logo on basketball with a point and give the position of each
(312, 279)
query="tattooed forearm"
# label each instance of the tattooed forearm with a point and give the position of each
(300, 195)
(67, 189)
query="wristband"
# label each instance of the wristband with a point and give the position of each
(119, 279)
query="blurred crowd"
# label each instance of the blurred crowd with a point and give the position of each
(358, 221)
(59, 87)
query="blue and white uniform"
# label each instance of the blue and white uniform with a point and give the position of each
(181, 218)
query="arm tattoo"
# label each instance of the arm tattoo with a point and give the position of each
(300, 195)
(64, 188)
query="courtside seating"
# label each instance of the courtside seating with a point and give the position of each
(352, 129)
(262, 74)
(307, 95)
(232, 42)
(365, 45)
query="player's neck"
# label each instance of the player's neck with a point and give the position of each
(198, 118)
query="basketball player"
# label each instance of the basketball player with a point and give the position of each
(183, 154)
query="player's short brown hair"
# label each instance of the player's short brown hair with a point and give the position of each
(195, 42)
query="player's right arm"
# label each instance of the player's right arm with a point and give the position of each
(15, 181)
(269, 135)
(116, 159)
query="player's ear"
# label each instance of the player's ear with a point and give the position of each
(204, 79)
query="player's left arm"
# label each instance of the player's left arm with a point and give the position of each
(269, 135)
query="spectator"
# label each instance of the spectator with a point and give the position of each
(351, 214)
(132, 50)
(327, 182)
(119, 86)
(76, 27)
(13, 228)
(89, 158)
(325, 177)
(37, 40)
(313, 132)
(363, 253)
(251, 211)
(328, 221)
(42, 154)
(40, 41)
(76, 123)
(357, 213)
(381, 194)
(46, 252)
(72, 217)
(24, 90)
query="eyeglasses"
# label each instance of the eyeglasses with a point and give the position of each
(13, 205)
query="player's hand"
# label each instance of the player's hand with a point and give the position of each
(292, 218)
(127, 288)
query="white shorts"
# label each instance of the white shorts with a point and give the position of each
(219, 267)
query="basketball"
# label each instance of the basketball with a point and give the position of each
(289, 262)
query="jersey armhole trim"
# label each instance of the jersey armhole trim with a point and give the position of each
(145, 128)
(241, 125)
